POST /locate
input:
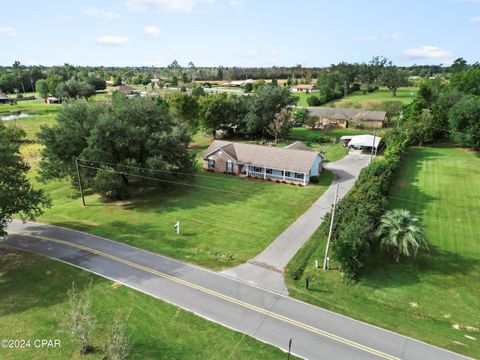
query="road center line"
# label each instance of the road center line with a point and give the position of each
(221, 296)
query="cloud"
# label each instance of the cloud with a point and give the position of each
(425, 52)
(165, 5)
(8, 31)
(475, 19)
(152, 31)
(102, 14)
(111, 40)
(392, 36)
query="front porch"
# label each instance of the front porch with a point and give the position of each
(275, 174)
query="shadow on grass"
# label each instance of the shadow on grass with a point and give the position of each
(383, 272)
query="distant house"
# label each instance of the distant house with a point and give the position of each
(347, 118)
(295, 164)
(304, 88)
(128, 90)
(361, 142)
(109, 82)
(53, 100)
(4, 99)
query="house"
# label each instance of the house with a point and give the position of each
(347, 118)
(128, 90)
(237, 83)
(53, 100)
(304, 88)
(294, 164)
(4, 99)
(361, 142)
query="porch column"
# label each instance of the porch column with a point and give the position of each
(304, 179)
(247, 169)
(283, 172)
(264, 173)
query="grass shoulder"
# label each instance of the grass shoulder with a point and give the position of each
(33, 300)
(434, 297)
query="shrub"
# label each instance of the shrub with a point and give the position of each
(117, 343)
(314, 101)
(314, 179)
(79, 320)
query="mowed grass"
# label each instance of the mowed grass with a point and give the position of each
(303, 133)
(383, 94)
(33, 302)
(225, 220)
(435, 297)
(32, 124)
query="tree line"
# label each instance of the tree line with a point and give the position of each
(22, 78)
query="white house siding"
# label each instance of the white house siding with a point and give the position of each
(317, 166)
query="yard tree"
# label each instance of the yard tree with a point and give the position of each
(215, 110)
(468, 81)
(464, 122)
(281, 124)
(198, 91)
(17, 196)
(262, 107)
(53, 81)
(300, 115)
(126, 135)
(73, 89)
(330, 84)
(400, 234)
(186, 108)
(459, 65)
(393, 77)
(42, 88)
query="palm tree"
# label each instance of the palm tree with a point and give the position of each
(400, 234)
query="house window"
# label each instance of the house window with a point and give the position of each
(298, 175)
(211, 164)
(229, 166)
(257, 169)
(287, 173)
(269, 171)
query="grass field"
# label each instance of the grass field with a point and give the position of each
(33, 302)
(383, 94)
(435, 297)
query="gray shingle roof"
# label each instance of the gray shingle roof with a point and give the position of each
(347, 114)
(266, 156)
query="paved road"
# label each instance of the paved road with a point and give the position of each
(267, 316)
(266, 269)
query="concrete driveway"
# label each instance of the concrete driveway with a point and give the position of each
(266, 269)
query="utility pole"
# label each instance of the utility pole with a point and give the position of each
(373, 145)
(327, 249)
(80, 182)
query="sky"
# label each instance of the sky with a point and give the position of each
(238, 32)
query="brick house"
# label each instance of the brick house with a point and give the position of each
(296, 163)
(347, 118)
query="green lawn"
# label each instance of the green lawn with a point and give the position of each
(33, 302)
(225, 220)
(32, 124)
(435, 297)
(383, 94)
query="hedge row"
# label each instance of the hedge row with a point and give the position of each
(357, 213)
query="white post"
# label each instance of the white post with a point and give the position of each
(264, 173)
(327, 248)
(304, 179)
(177, 227)
(283, 171)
